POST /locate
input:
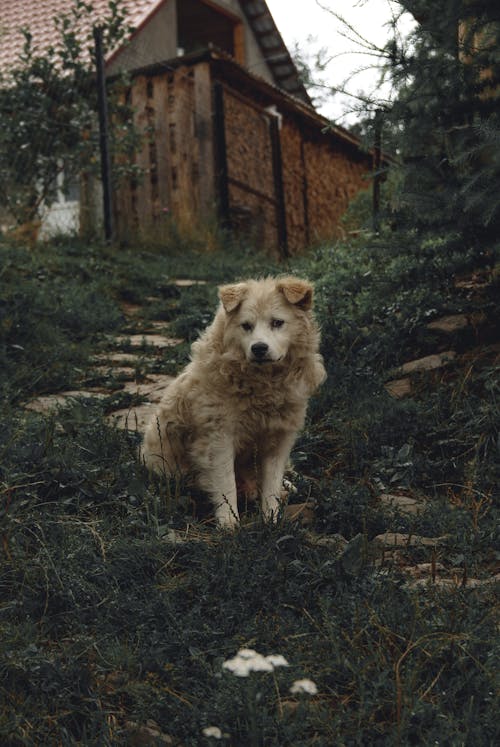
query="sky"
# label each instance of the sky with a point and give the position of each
(298, 20)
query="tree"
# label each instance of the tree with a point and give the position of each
(441, 115)
(446, 110)
(48, 110)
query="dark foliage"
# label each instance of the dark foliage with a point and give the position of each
(445, 114)
(108, 619)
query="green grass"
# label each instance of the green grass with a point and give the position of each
(105, 620)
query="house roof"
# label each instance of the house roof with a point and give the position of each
(274, 49)
(39, 17)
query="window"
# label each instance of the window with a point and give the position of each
(200, 24)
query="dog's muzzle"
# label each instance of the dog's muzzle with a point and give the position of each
(260, 351)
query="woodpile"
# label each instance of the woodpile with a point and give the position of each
(254, 156)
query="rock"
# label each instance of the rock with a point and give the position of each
(132, 418)
(49, 402)
(126, 372)
(187, 283)
(456, 582)
(399, 388)
(449, 324)
(336, 542)
(302, 512)
(428, 363)
(146, 735)
(156, 326)
(392, 540)
(136, 417)
(425, 570)
(153, 388)
(116, 359)
(138, 341)
(130, 309)
(402, 503)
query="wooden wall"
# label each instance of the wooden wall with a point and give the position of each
(310, 176)
(175, 161)
(252, 201)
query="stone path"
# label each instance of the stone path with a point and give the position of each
(118, 366)
(126, 355)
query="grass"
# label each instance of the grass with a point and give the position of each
(110, 623)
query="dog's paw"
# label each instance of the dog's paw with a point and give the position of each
(226, 518)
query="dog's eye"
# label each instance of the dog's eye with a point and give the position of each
(276, 323)
(247, 326)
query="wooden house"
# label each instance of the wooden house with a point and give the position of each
(229, 129)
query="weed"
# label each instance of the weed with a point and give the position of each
(110, 617)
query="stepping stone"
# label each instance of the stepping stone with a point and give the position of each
(133, 418)
(449, 324)
(456, 582)
(393, 540)
(137, 417)
(187, 283)
(402, 503)
(130, 309)
(138, 341)
(153, 388)
(124, 371)
(428, 363)
(47, 403)
(115, 359)
(301, 512)
(399, 388)
(155, 326)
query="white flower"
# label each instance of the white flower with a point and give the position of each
(307, 687)
(247, 660)
(277, 660)
(247, 653)
(212, 731)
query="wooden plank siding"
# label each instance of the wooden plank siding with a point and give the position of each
(287, 182)
(252, 196)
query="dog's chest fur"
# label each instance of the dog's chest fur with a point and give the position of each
(259, 401)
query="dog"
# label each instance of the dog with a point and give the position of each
(232, 415)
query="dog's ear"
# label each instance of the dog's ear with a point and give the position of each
(232, 295)
(297, 292)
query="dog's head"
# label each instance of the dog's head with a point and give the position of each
(264, 318)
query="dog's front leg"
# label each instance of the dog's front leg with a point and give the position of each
(273, 469)
(215, 464)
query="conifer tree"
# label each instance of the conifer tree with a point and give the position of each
(447, 114)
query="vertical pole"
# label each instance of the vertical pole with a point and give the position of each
(221, 170)
(103, 135)
(279, 192)
(377, 177)
(305, 196)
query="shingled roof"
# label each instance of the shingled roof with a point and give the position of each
(39, 16)
(274, 49)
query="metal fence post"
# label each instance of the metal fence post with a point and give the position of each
(103, 135)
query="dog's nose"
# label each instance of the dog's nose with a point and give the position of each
(259, 350)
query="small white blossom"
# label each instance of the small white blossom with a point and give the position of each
(247, 660)
(212, 731)
(277, 660)
(247, 653)
(307, 687)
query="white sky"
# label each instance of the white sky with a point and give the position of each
(299, 19)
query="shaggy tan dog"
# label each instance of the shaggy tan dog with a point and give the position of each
(231, 417)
